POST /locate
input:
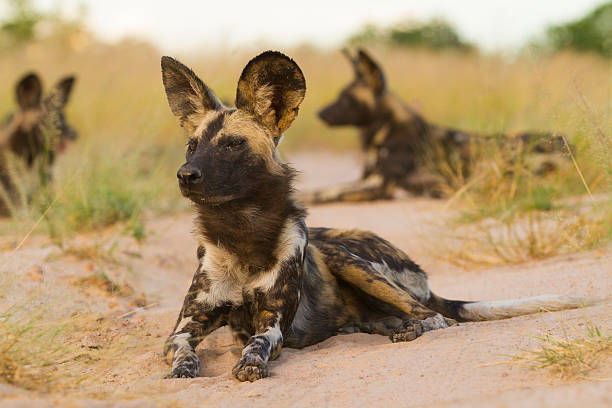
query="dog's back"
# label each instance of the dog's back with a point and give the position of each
(401, 147)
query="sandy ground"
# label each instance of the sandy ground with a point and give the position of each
(459, 367)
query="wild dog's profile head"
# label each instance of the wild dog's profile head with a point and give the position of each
(231, 152)
(359, 102)
(40, 125)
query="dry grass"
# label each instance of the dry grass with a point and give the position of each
(512, 214)
(47, 346)
(123, 165)
(526, 236)
(32, 346)
(570, 358)
(73, 356)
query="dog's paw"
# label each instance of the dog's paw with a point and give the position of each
(249, 369)
(185, 364)
(182, 372)
(410, 330)
(435, 322)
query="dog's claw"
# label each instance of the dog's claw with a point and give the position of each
(410, 330)
(249, 370)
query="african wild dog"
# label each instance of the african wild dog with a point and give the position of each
(34, 133)
(261, 271)
(403, 149)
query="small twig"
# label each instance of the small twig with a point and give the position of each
(138, 309)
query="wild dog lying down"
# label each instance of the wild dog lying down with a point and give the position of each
(262, 272)
(402, 148)
(36, 132)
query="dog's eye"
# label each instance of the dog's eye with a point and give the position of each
(191, 145)
(234, 143)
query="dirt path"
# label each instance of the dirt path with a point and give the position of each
(458, 366)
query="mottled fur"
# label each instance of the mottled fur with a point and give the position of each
(402, 148)
(261, 270)
(34, 134)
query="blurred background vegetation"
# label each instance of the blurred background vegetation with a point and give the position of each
(122, 167)
(591, 33)
(435, 35)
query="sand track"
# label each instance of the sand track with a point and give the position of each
(454, 367)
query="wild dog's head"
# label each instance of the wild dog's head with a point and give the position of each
(40, 126)
(231, 153)
(359, 102)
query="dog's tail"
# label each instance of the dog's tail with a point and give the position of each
(463, 311)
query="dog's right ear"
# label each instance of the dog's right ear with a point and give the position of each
(29, 91)
(271, 88)
(60, 94)
(347, 53)
(189, 98)
(370, 72)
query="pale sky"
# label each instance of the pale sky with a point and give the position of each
(191, 25)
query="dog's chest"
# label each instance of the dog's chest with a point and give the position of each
(239, 295)
(226, 282)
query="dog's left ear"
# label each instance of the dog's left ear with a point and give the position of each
(29, 91)
(370, 72)
(271, 88)
(59, 96)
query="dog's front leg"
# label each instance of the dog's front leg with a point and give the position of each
(260, 348)
(197, 319)
(194, 324)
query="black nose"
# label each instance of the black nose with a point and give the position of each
(325, 115)
(189, 175)
(321, 114)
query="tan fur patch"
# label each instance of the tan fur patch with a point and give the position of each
(364, 95)
(258, 138)
(395, 105)
(207, 117)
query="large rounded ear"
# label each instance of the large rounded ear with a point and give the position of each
(64, 88)
(59, 96)
(370, 72)
(29, 91)
(271, 88)
(189, 98)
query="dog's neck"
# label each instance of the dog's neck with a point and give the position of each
(392, 117)
(251, 229)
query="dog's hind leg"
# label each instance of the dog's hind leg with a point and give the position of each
(368, 189)
(396, 329)
(413, 318)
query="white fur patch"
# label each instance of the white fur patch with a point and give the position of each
(503, 309)
(273, 334)
(228, 280)
(183, 323)
(181, 340)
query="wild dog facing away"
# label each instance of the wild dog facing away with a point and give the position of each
(261, 271)
(34, 134)
(398, 142)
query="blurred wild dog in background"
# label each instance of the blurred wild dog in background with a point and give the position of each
(33, 135)
(261, 271)
(403, 150)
